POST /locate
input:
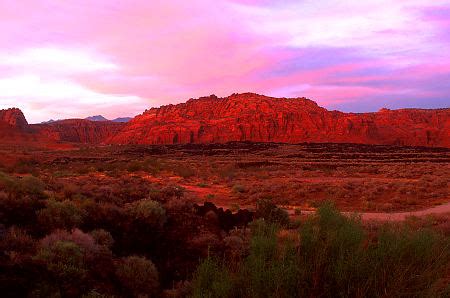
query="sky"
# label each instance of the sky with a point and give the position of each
(76, 58)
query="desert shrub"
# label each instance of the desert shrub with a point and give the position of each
(148, 212)
(17, 244)
(335, 257)
(28, 185)
(26, 166)
(227, 172)
(235, 245)
(138, 275)
(62, 174)
(134, 166)
(155, 194)
(172, 191)
(105, 216)
(64, 261)
(184, 171)
(270, 272)
(210, 196)
(19, 210)
(86, 242)
(6, 182)
(237, 188)
(60, 215)
(152, 165)
(31, 185)
(75, 254)
(70, 190)
(95, 294)
(268, 211)
(167, 192)
(204, 242)
(212, 279)
(103, 238)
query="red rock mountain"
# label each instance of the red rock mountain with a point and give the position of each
(14, 129)
(13, 117)
(241, 117)
(252, 117)
(78, 130)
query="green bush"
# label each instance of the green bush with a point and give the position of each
(102, 238)
(212, 280)
(60, 215)
(138, 275)
(184, 171)
(6, 182)
(268, 271)
(26, 166)
(31, 185)
(17, 242)
(152, 165)
(64, 259)
(147, 212)
(268, 211)
(28, 185)
(168, 192)
(334, 257)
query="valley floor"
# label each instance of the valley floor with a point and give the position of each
(357, 178)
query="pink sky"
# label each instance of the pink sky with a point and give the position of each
(62, 59)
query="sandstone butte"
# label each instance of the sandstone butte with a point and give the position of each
(245, 117)
(257, 118)
(14, 128)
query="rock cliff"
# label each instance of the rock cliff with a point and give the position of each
(243, 117)
(253, 117)
(78, 130)
(13, 117)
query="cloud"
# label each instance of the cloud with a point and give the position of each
(54, 60)
(140, 53)
(64, 98)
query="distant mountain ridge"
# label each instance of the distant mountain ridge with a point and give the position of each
(94, 118)
(243, 117)
(101, 118)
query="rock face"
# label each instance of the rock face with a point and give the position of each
(252, 117)
(13, 117)
(78, 130)
(14, 128)
(242, 117)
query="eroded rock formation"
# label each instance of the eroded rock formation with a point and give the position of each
(252, 117)
(79, 130)
(13, 117)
